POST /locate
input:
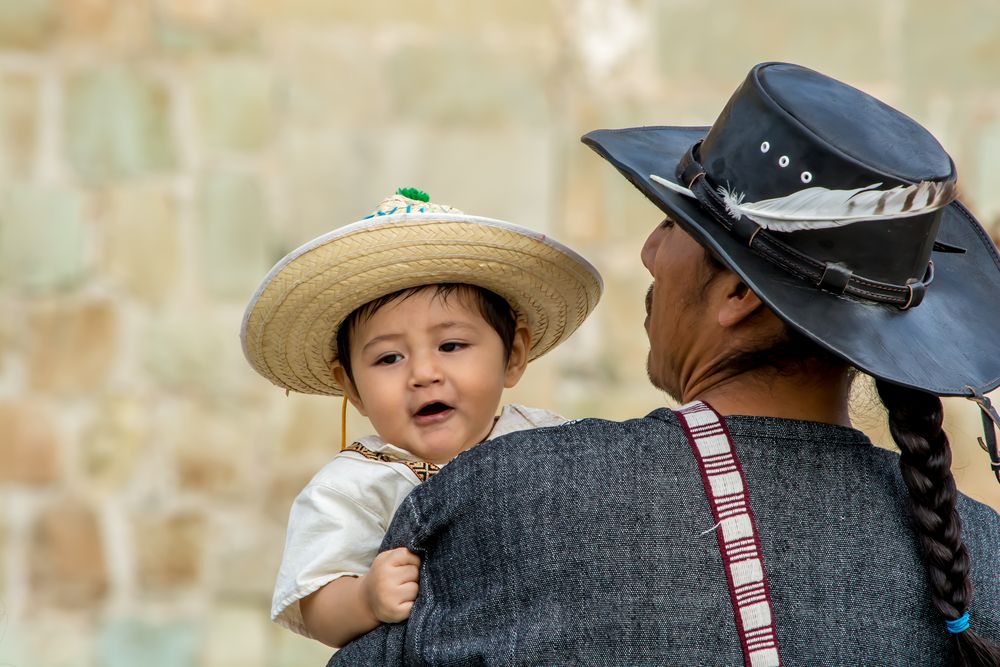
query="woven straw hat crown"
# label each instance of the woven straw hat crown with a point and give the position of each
(290, 325)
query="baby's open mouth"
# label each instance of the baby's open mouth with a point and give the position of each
(435, 408)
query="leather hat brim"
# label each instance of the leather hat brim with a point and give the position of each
(944, 346)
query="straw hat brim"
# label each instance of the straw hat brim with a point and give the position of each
(290, 326)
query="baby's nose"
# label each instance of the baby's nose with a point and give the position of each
(424, 371)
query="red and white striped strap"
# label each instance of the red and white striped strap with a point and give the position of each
(725, 486)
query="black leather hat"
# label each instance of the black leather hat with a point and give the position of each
(839, 212)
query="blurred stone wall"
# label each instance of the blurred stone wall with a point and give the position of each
(158, 156)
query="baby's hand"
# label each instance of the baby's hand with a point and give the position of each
(390, 586)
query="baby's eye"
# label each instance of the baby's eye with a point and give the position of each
(451, 346)
(388, 359)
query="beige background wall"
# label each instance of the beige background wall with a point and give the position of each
(157, 156)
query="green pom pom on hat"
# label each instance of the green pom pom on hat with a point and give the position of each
(414, 193)
(411, 201)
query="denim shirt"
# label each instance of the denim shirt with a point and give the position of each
(592, 543)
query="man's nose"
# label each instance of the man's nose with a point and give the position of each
(424, 370)
(648, 253)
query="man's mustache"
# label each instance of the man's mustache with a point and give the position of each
(649, 298)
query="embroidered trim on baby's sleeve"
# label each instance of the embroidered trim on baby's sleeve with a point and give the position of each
(423, 470)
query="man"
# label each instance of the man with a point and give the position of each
(811, 231)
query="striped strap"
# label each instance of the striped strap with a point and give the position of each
(725, 486)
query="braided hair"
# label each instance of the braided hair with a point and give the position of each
(915, 419)
(915, 422)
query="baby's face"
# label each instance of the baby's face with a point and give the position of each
(428, 374)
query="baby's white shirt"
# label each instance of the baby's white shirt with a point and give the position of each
(339, 519)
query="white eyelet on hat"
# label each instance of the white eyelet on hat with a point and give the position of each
(806, 177)
(783, 161)
(765, 147)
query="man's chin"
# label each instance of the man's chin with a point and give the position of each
(658, 382)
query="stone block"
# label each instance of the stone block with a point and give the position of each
(847, 41)
(141, 241)
(233, 233)
(72, 345)
(176, 355)
(232, 621)
(209, 473)
(118, 124)
(953, 49)
(30, 451)
(513, 14)
(312, 430)
(631, 217)
(291, 650)
(284, 484)
(46, 637)
(211, 454)
(19, 123)
(538, 386)
(581, 198)
(43, 238)
(461, 82)
(66, 556)
(4, 558)
(330, 179)
(190, 26)
(235, 100)
(986, 176)
(112, 445)
(356, 96)
(196, 350)
(132, 641)
(970, 464)
(501, 173)
(245, 556)
(119, 24)
(27, 24)
(169, 551)
(196, 12)
(11, 327)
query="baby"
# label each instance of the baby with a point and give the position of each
(421, 316)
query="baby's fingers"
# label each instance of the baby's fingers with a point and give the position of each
(399, 613)
(406, 573)
(403, 556)
(408, 592)
(397, 603)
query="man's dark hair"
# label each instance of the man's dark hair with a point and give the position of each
(494, 309)
(915, 422)
(783, 355)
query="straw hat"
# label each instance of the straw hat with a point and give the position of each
(290, 326)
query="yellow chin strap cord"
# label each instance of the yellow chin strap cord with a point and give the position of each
(343, 424)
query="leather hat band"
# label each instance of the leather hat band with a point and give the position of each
(830, 276)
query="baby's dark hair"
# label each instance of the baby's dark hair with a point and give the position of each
(493, 307)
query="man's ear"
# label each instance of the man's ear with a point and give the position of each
(739, 302)
(518, 359)
(340, 375)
